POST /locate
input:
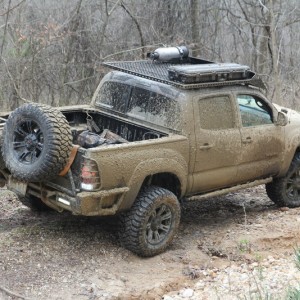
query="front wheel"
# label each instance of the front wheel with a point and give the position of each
(151, 224)
(285, 191)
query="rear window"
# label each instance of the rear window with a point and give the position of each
(113, 96)
(140, 103)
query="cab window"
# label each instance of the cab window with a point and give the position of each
(254, 111)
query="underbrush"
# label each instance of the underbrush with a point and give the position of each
(294, 293)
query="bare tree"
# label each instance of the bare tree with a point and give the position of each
(51, 51)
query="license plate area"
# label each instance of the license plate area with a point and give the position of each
(17, 186)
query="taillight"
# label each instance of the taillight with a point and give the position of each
(90, 177)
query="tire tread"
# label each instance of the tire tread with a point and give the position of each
(130, 222)
(276, 189)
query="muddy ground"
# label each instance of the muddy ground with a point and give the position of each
(60, 256)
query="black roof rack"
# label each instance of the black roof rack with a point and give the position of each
(190, 73)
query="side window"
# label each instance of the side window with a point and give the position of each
(216, 113)
(164, 110)
(254, 111)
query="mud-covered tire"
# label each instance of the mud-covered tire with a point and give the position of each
(285, 191)
(37, 142)
(151, 224)
(34, 203)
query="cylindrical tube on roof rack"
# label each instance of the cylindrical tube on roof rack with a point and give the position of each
(170, 53)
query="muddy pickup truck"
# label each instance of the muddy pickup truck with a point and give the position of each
(156, 132)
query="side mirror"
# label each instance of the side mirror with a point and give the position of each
(282, 119)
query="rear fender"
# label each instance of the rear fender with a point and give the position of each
(149, 167)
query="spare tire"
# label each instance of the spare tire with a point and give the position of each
(37, 142)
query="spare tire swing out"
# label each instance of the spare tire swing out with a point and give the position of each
(37, 142)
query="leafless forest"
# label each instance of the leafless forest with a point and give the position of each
(51, 50)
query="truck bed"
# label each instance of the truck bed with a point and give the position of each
(97, 122)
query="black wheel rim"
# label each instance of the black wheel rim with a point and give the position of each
(159, 225)
(28, 142)
(293, 186)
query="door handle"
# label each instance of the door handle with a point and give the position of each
(247, 140)
(205, 146)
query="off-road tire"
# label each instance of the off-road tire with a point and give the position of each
(34, 203)
(151, 224)
(285, 191)
(37, 142)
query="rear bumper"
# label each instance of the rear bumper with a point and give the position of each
(94, 203)
(99, 203)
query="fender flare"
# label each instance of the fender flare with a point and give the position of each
(151, 167)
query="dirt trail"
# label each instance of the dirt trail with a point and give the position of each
(60, 256)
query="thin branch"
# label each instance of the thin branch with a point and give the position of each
(291, 22)
(12, 8)
(70, 19)
(137, 26)
(5, 28)
(80, 80)
(10, 293)
(13, 82)
(113, 8)
(4, 25)
(263, 6)
(106, 8)
(129, 50)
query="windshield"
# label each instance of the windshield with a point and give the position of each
(140, 103)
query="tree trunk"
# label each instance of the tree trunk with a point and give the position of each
(274, 56)
(195, 26)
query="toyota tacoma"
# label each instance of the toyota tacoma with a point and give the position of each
(157, 131)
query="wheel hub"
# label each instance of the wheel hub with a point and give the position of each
(30, 142)
(155, 223)
(159, 224)
(296, 182)
(27, 142)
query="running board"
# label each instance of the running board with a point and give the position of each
(231, 189)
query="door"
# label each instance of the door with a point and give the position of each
(218, 142)
(262, 141)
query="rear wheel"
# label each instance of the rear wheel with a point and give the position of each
(151, 224)
(285, 191)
